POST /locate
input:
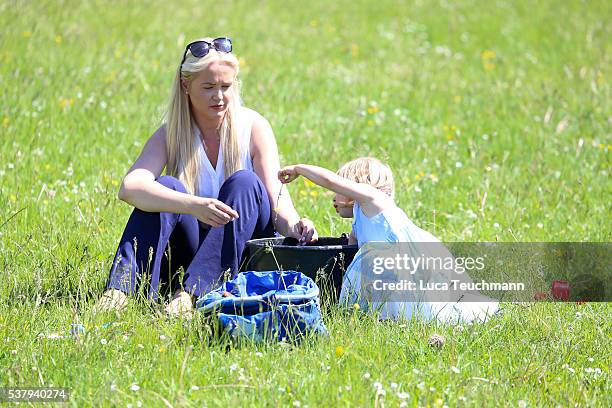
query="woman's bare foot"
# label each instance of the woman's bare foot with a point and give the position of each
(112, 299)
(181, 305)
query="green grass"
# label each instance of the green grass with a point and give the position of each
(495, 117)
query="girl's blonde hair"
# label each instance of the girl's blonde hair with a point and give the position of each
(368, 170)
(181, 145)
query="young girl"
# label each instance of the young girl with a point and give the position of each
(364, 190)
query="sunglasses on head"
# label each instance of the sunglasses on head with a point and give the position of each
(200, 48)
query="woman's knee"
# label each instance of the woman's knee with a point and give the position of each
(242, 179)
(172, 183)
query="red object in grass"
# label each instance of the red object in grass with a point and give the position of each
(560, 290)
(540, 296)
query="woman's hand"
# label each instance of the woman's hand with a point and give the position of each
(304, 231)
(212, 212)
(288, 174)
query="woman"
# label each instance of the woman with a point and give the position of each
(219, 190)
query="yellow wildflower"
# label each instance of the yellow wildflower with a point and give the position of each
(309, 183)
(27, 34)
(370, 122)
(5, 122)
(487, 54)
(314, 193)
(339, 351)
(13, 197)
(373, 109)
(58, 39)
(354, 50)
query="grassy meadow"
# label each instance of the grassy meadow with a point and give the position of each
(494, 115)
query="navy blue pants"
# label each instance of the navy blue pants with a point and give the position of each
(157, 245)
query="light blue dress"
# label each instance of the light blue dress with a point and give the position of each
(393, 225)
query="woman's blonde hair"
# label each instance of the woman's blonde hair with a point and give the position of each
(181, 145)
(368, 170)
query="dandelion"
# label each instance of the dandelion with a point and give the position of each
(487, 55)
(373, 109)
(26, 34)
(339, 351)
(113, 387)
(259, 354)
(104, 342)
(458, 165)
(590, 359)
(439, 402)
(5, 122)
(370, 122)
(393, 385)
(540, 225)
(366, 376)
(233, 367)
(13, 198)
(162, 337)
(10, 166)
(436, 340)
(58, 39)
(314, 193)
(162, 349)
(134, 387)
(14, 352)
(496, 225)
(356, 306)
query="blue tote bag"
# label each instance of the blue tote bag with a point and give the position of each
(270, 305)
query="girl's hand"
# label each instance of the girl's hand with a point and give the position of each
(213, 212)
(304, 231)
(288, 174)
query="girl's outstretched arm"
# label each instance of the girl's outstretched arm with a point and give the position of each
(371, 200)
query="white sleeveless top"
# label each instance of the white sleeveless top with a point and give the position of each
(211, 179)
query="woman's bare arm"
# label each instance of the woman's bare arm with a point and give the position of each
(266, 164)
